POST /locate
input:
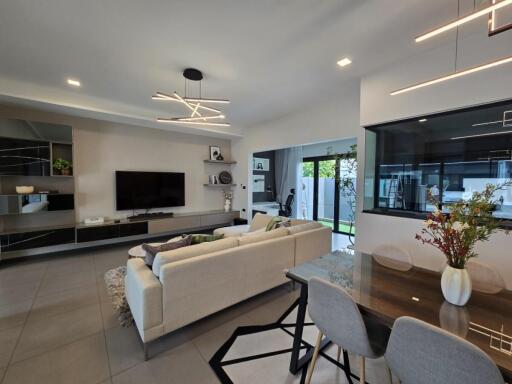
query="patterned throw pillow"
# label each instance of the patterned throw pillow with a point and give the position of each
(277, 222)
(152, 250)
(202, 238)
(284, 224)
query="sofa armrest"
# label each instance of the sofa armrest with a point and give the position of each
(310, 245)
(144, 295)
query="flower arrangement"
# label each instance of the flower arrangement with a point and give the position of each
(467, 222)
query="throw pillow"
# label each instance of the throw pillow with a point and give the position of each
(202, 238)
(272, 224)
(284, 224)
(152, 250)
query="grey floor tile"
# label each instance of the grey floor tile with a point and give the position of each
(102, 290)
(81, 362)
(110, 317)
(62, 282)
(44, 334)
(14, 314)
(16, 293)
(124, 349)
(70, 264)
(182, 365)
(8, 339)
(65, 301)
(19, 276)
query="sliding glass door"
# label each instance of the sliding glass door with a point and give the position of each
(321, 197)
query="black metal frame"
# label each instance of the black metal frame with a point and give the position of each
(316, 160)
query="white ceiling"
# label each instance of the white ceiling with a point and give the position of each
(269, 57)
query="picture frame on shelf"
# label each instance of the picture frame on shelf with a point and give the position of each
(260, 164)
(215, 152)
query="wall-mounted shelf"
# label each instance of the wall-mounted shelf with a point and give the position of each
(220, 185)
(226, 162)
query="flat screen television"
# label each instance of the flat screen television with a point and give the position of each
(145, 190)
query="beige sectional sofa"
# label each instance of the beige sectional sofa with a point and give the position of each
(190, 283)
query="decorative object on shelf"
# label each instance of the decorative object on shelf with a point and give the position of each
(215, 153)
(94, 220)
(260, 164)
(195, 104)
(225, 177)
(213, 179)
(456, 233)
(220, 157)
(489, 10)
(62, 166)
(24, 189)
(228, 201)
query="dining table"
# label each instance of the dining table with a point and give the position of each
(386, 289)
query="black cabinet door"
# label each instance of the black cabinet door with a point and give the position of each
(37, 239)
(24, 157)
(133, 229)
(103, 232)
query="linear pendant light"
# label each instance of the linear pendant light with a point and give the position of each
(454, 75)
(194, 104)
(463, 20)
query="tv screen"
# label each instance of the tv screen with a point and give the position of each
(145, 190)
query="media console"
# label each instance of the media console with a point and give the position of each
(48, 240)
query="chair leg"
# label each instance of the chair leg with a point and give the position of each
(339, 354)
(390, 375)
(315, 357)
(362, 372)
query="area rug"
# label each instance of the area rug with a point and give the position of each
(262, 353)
(114, 279)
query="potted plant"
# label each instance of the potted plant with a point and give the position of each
(456, 233)
(62, 166)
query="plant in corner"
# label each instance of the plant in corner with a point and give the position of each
(457, 232)
(62, 166)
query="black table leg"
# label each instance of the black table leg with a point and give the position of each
(299, 328)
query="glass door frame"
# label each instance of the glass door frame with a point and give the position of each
(316, 179)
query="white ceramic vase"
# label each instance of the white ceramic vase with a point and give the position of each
(456, 285)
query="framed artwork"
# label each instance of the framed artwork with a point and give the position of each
(258, 183)
(260, 164)
(214, 152)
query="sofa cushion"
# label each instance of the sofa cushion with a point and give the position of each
(233, 231)
(257, 237)
(261, 230)
(163, 258)
(275, 222)
(304, 227)
(259, 220)
(295, 222)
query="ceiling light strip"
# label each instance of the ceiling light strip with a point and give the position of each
(199, 100)
(463, 20)
(481, 135)
(164, 97)
(200, 118)
(175, 121)
(454, 75)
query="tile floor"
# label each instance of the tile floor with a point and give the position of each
(57, 326)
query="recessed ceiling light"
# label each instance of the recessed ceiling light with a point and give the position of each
(422, 120)
(344, 62)
(73, 82)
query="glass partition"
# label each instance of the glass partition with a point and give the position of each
(419, 163)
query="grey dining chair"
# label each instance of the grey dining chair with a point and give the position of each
(337, 317)
(419, 353)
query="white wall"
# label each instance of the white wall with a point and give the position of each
(330, 147)
(378, 106)
(334, 119)
(102, 147)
